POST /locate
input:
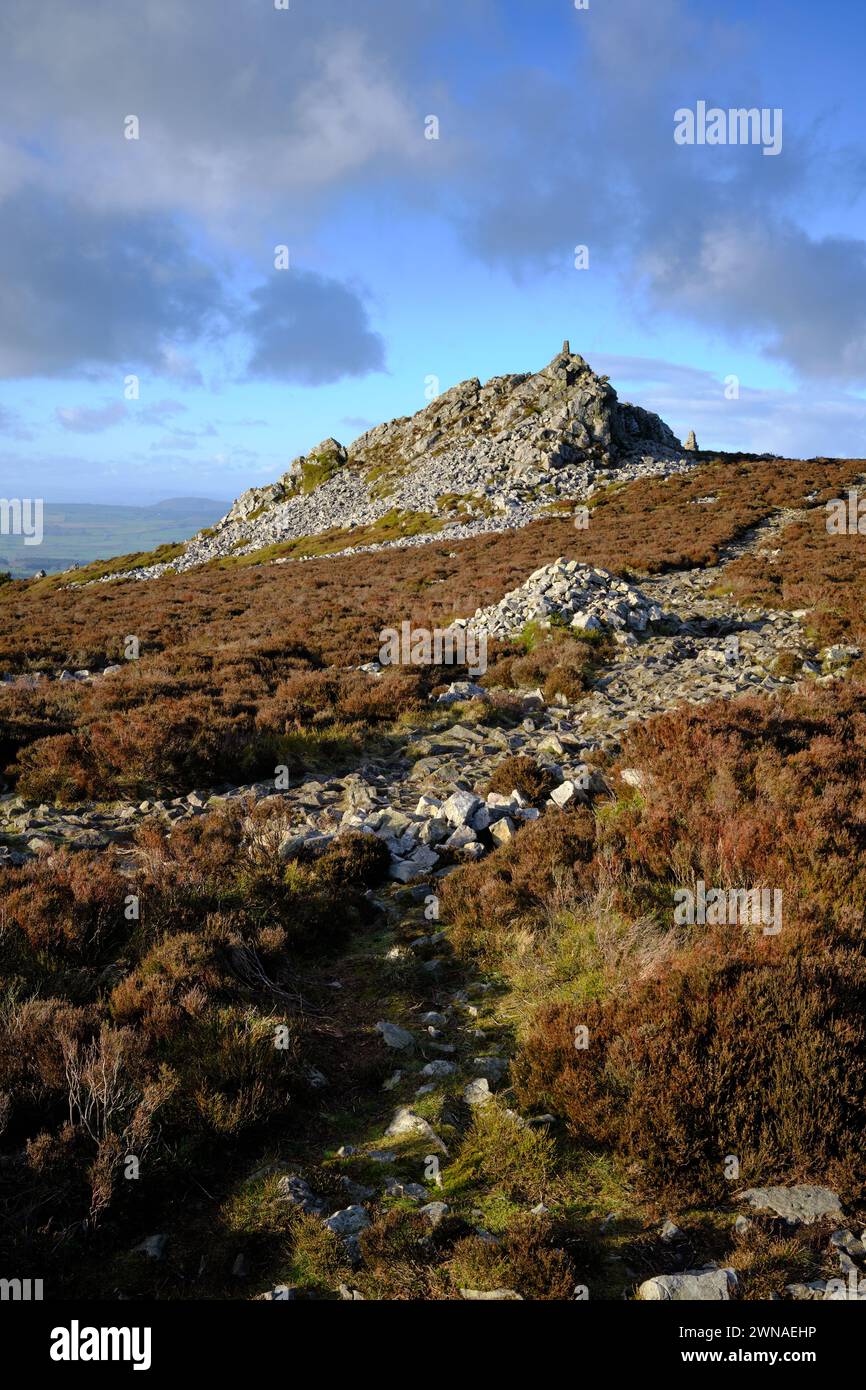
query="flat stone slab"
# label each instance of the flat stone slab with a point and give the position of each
(407, 1125)
(393, 1036)
(802, 1205)
(349, 1221)
(491, 1295)
(704, 1285)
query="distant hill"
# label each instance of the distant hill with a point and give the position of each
(79, 532)
(184, 506)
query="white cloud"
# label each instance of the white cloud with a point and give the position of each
(81, 419)
(794, 424)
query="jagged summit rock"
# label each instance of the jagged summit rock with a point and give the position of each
(323, 461)
(562, 414)
(479, 457)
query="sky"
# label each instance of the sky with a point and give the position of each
(429, 169)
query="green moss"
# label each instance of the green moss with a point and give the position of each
(100, 569)
(530, 635)
(392, 526)
(562, 504)
(450, 501)
(382, 468)
(315, 470)
(381, 478)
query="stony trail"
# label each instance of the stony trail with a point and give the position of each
(707, 647)
(452, 1047)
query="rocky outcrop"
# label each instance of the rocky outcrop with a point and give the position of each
(564, 414)
(477, 458)
(583, 596)
(321, 463)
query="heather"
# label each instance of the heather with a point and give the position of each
(246, 669)
(810, 569)
(578, 918)
(245, 995)
(160, 1008)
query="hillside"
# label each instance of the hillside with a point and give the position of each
(77, 533)
(478, 459)
(373, 966)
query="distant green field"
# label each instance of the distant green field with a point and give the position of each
(79, 532)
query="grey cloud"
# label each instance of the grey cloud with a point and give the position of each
(84, 290)
(307, 328)
(90, 293)
(788, 423)
(711, 234)
(262, 118)
(804, 299)
(180, 367)
(238, 104)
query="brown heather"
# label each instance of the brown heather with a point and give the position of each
(703, 1041)
(813, 570)
(156, 1035)
(242, 668)
(524, 775)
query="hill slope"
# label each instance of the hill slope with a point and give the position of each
(315, 937)
(477, 459)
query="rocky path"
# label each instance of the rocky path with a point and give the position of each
(702, 647)
(452, 1055)
(451, 1060)
(451, 1048)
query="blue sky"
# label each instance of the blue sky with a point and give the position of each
(413, 258)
